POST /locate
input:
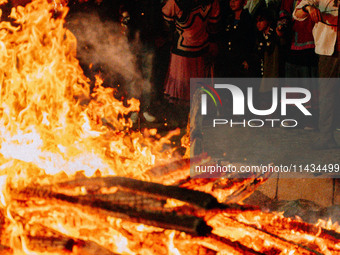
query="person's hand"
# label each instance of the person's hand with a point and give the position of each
(245, 65)
(314, 13)
(279, 32)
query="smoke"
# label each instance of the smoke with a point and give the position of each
(104, 46)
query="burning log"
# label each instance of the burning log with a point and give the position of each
(150, 190)
(115, 208)
(130, 199)
(176, 172)
(171, 174)
(315, 238)
(149, 237)
(260, 241)
(278, 222)
(64, 244)
(229, 188)
(233, 228)
(265, 232)
(197, 198)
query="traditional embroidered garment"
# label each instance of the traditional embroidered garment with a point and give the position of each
(302, 37)
(181, 69)
(192, 19)
(192, 34)
(324, 34)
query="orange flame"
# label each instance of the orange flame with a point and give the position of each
(50, 126)
(48, 122)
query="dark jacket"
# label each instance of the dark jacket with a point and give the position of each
(236, 42)
(266, 53)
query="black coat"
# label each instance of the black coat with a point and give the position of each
(236, 41)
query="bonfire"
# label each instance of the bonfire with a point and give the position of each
(76, 179)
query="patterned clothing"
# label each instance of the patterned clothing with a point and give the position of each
(191, 37)
(190, 43)
(302, 37)
(324, 35)
(301, 48)
(181, 69)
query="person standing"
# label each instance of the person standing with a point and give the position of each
(236, 42)
(193, 23)
(326, 36)
(301, 61)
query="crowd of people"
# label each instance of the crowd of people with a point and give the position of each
(262, 39)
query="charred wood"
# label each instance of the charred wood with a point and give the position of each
(172, 173)
(156, 190)
(230, 188)
(130, 199)
(157, 218)
(227, 190)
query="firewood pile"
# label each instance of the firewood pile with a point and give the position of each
(51, 128)
(121, 215)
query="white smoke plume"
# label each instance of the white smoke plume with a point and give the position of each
(102, 43)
